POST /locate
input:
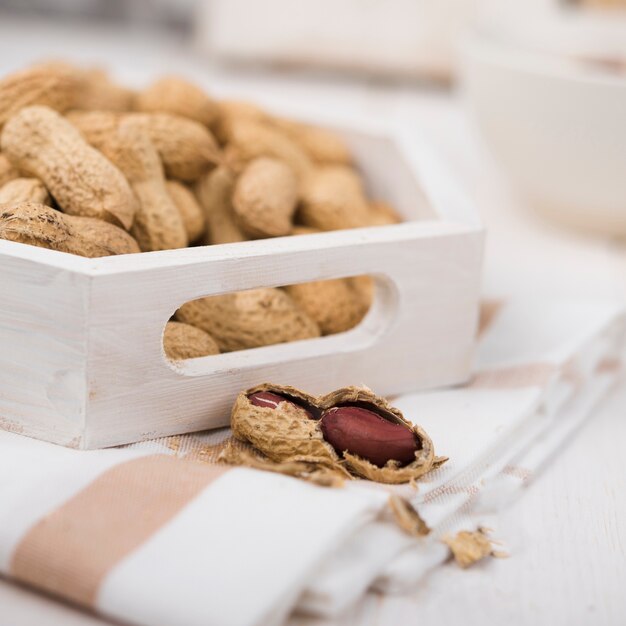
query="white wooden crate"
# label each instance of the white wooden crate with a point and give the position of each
(81, 356)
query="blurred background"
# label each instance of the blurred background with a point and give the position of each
(524, 101)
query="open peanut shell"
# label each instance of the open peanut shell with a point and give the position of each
(294, 433)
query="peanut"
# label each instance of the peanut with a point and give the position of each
(214, 192)
(100, 93)
(382, 213)
(52, 84)
(249, 319)
(39, 141)
(187, 148)
(188, 207)
(333, 199)
(171, 94)
(322, 146)
(109, 157)
(336, 305)
(158, 223)
(249, 139)
(182, 341)
(39, 225)
(7, 171)
(350, 428)
(366, 434)
(265, 197)
(229, 111)
(24, 190)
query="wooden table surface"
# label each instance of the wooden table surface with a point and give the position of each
(567, 534)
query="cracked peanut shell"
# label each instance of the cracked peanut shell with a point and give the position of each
(287, 433)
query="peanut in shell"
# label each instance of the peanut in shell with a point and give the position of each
(99, 93)
(323, 146)
(188, 207)
(39, 225)
(229, 111)
(249, 319)
(182, 341)
(382, 214)
(175, 95)
(7, 171)
(336, 305)
(250, 139)
(332, 198)
(24, 190)
(214, 192)
(83, 182)
(54, 85)
(186, 147)
(265, 197)
(158, 223)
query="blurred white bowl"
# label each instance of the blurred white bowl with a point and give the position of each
(558, 126)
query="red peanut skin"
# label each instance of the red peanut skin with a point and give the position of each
(272, 400)
(366, 434)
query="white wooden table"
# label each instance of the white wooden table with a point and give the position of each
(567, 535)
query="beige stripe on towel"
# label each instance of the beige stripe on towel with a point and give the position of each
(514, 376)
(70, 551)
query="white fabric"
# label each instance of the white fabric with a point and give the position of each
(254, 536)
(487, 432)
(254, 546)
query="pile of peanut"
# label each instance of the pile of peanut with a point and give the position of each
(92, 168)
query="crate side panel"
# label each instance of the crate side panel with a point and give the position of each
(430, 294)
(43, 317)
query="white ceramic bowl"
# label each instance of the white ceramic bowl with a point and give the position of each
(556, 124)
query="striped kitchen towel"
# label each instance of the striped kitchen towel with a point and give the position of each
(159, 534)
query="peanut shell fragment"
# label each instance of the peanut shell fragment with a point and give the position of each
(470, 546)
